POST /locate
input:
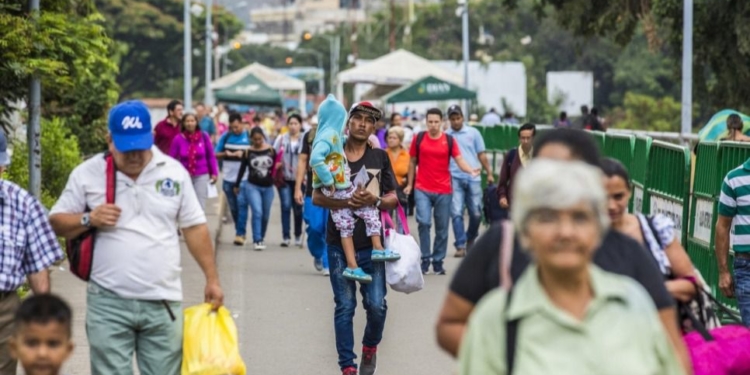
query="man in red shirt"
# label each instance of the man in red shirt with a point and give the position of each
(168, 128)
(432, 151)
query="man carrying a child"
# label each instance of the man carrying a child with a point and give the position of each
(379, 192)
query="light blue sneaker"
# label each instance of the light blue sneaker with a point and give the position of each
(357, 274)
(385, 256)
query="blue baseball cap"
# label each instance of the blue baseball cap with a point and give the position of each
(130, 126)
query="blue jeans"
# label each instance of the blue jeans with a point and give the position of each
(345, 298)
(286, 195)
(259, 198)
(228, 188)
(742, 287)
(469, 193)
(316, 219)
(442, 205)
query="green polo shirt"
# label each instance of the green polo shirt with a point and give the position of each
(734, 202)
(621, 333)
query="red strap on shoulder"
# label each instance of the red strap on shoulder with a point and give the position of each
(111, 179)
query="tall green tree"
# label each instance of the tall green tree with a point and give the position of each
(721, 39)
(149, 44)
(67, 48)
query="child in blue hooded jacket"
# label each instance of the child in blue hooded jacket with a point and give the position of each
(332, 175)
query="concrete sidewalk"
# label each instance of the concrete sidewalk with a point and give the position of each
(283, 309)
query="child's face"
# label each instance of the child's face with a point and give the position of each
(41, 348)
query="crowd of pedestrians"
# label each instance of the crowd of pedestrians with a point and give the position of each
(530, 295)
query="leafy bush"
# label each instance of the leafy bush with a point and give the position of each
(60, 155)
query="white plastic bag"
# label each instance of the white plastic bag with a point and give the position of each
(212, 191)
(405, 274)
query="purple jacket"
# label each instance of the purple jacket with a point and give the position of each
(205, 162)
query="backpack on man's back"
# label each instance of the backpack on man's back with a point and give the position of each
(448, 137)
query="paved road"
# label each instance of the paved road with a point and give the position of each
(284, 311)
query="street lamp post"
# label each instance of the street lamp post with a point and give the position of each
(464, 9)
(687, 68)
(319, 57)
(188, 64)
(334, 43)
(208, 97)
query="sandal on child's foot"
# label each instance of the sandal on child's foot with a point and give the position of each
(357, 274)
(385, 256)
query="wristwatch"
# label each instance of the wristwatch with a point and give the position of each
(86, 220)
(379, 201)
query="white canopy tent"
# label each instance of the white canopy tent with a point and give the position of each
(270, 77)
(394, 69)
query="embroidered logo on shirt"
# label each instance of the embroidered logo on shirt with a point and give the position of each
(168, 187)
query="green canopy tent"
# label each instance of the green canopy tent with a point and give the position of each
(250, 90)
(429, 89)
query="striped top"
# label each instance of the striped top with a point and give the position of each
(734, 202)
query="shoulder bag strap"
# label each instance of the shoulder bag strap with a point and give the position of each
(420, 138)
(650, 222)
(111, 179)
(506, 255)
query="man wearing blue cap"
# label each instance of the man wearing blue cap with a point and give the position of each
(134, 293)
(23, 221)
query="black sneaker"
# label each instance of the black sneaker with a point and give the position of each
(438, 268)
(425, 267)
(369, 362)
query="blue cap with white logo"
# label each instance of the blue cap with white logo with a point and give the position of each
(130, 126)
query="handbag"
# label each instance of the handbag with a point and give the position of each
(405, 274)
(80, 250)
(278, 174)
(719, 351)
(701, 306)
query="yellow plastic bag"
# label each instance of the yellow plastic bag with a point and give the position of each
(210, 345)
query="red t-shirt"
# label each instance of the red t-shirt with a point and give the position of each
(433, 166)
(164, 132)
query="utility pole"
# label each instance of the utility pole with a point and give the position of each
(187, 103)
(286, 24)
(34, 129)
(353, 10)
(465, 34)
(687, 68)
(208, 96)
(392, 35)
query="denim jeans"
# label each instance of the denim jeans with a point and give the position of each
(228, 188)
(345, 298)
(442, 206)
(742, 287)
(316, 219)
(286, 195)
(259, 198)
(468, 193)
(117, 328)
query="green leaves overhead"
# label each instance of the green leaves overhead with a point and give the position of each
(67, 47)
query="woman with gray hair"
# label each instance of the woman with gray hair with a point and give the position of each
(565, 315)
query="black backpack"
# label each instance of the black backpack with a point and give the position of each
(448, 137)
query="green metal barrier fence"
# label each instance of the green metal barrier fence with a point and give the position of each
(599, 138)
(706, 185)
(668, 184)
(494, 137)
(639, 171)
(621, 147)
